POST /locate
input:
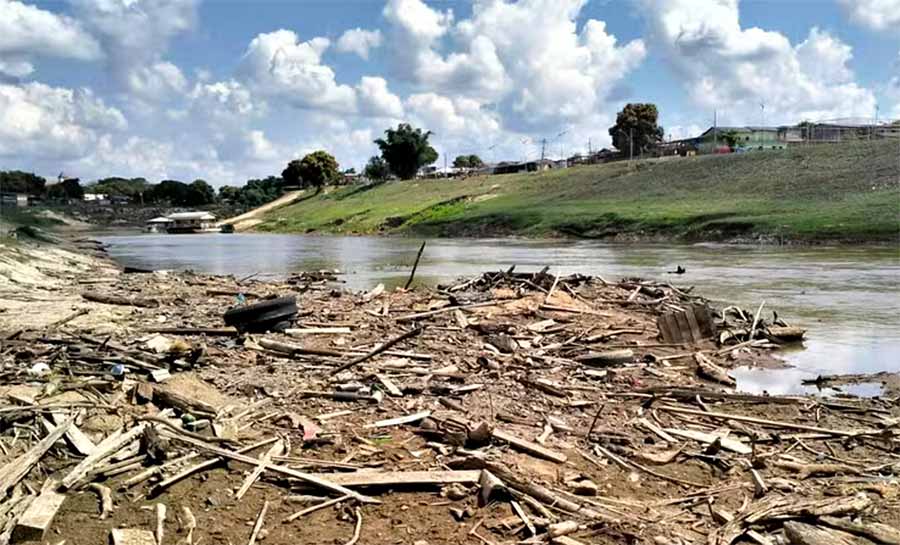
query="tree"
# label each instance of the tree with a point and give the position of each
(202, 193)
(291, 173)
(229, 194)
(377, 169)
(70, 188)
(16, 181)
(636, 129)
(468, 161)
(318, 168)
(406, 150)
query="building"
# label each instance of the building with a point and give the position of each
(14, 199)
(192, 222)
(157, 225)
(738, 139)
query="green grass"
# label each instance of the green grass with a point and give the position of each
(825, 192)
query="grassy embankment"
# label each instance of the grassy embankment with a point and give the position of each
(824, 192)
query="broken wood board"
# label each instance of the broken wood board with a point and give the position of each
(390, 478)
(689, 326)
(36, 520)
(709, 438)
(529, 447)
(127, 536)
(400, 420)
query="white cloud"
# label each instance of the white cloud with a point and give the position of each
(278, 63)
(226, 100)
(528, 56)
(359, 41)
(877, 15)
(259, 147)
(157, 81)
(27, 31)
(451, 117)
(37, 120)
(892, 92)
(723, 65)
(376, 100)
(135, 35)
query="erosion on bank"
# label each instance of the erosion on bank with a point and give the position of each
(836, 192)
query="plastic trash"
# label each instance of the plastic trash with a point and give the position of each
(39, 369)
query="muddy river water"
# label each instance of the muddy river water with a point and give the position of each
(847, 297)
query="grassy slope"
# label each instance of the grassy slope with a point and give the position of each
(816, 192)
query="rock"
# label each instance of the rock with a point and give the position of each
(455, 492)
(584, 487)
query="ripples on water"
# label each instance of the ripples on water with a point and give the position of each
(847, 297)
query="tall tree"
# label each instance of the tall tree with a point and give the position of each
(318, 168)
(291, 173)
(203, 193)
(636, 129)
(406, 150)
(377, 169)
(70, 188)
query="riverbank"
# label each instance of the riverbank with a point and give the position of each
(824, 193)
(510, 405)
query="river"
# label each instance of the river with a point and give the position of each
(847, 297)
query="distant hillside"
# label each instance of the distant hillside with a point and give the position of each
(847, 192)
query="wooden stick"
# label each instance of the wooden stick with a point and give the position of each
(117, 300)
(412, 273)
(764, 422)
(411, 317)
(358, 527)
(103, 450)
(756, 320)
(15, 471)
(259, 523)
(378, 350)
(315, 508)
(199, 467)
(305, 477)
(274, 450)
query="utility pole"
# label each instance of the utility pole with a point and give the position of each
(590, 151)
(715, 130)
(543, 146)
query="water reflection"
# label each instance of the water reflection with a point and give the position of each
(847, 298)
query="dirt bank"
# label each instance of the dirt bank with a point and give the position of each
(512, 407)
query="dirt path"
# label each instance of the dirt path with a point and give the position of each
(247, 220)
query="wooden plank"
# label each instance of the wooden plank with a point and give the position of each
(684, 328)
(316, 331)
(400, 420)
(389, 478)
(104, 450)
(708, 438)
(694, 326)
(77, 438)
(533, 449)
(36, 520)
(389, 385)
(704, 320)
(15, 471)
(127, 536)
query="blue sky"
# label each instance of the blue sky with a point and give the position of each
(228, 90)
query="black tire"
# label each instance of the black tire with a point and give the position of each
(261, 315)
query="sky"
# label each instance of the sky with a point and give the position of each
(228, 90)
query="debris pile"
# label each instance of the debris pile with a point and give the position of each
(507, 408)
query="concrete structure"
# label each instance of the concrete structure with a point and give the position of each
(14, 199)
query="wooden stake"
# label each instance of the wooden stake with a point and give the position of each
(412, 273)
(259, 523)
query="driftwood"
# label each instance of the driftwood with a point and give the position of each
(128, 536)
(809, 470)
(275, 450)
(35, 521)
(103, 450)
(305, 477)
(531, 448)
(378, 350)
(877, 532)
(257, 526)
(107, 299)
(187, 472)
(393, 478)
(771, 508)
(709, 370)
(412, 273)
(15, 471)
(800, 533)
(765, 422)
